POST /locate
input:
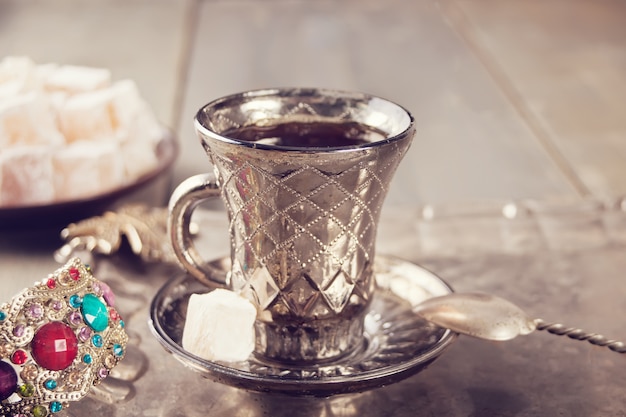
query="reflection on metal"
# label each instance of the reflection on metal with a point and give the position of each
(397, 342)
(143, 228)
(579, 334)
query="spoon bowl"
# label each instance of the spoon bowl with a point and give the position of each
(489, 317)
(479, 315)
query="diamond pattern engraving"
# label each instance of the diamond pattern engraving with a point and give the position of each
(337, 294)
(264, 287)
(303, 221)
(307, 216)
(301, 296)
(303, 224)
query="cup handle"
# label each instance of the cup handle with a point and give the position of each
(184, 200)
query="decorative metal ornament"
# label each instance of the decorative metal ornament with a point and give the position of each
(58, 339)
(144, 228)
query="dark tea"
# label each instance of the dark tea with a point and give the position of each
(309, 135)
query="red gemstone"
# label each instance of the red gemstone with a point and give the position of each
(114, 315)
(51, 283)
(54, 346)
(74, 274)
(19, 357)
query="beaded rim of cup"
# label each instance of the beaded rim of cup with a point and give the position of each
(58, 338)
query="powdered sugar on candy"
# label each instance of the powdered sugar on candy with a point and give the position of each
(219, 326)
(69, 132)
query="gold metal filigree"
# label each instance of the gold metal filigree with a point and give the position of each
(144, 228)
(46, 348)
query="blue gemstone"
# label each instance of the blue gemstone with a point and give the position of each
(97, 340)
(76, 301)
(95, 312)
(3, 316)
(87, 358)
(118, 350)
(55, 407)
(50, 384)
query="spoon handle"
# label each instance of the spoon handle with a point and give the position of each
(579, 334)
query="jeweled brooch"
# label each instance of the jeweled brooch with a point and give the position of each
(58, 338)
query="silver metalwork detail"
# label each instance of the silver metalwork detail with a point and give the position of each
(303, 219)
(579, 334)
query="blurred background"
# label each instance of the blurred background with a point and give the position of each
(514, 100)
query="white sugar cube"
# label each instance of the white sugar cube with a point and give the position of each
(26, 176)
(15, 73)
(132, 115)
(138, 157)
(126, 103)
(138, 129)
(219, 326)
(115, 111)
(87, 116)
(14, 67)
(84, 169)
(76, 79)
(27, 119)
(98, 135)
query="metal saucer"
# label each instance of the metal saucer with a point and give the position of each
(397, 342)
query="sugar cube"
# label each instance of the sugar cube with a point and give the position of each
(15, 75)
(219, 326)
(87, 116)
(26, 176)
(27, 119)
(91, 135)
(84, 169)
(75, 79)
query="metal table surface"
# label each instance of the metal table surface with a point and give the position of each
(560, 263)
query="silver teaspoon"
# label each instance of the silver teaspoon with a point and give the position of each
(489, 317)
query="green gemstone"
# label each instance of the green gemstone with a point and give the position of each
(94, 312)
(40, 411)
(26, 390)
